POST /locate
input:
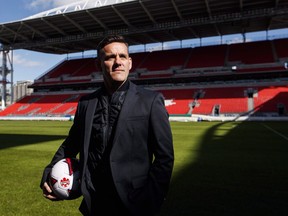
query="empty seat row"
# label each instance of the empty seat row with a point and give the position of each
(261, 52)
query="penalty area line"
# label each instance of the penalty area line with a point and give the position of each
(276, 132)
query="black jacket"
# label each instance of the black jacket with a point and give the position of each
(142, 153)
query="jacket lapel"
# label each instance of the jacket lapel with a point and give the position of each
(91, 106)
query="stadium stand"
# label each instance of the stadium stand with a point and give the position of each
(205, 101)
(43, 105)
(251, 57)
(165, 59)
(202, 57)
(251, 53)
(263, 56)
(281, 48)
(272, 99)
(222, 100)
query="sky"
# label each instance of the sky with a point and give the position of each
(29, 65)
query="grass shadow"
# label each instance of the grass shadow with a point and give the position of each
(13, 140)
(240, 169)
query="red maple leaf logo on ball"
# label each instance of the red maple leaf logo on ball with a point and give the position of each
(65, 182)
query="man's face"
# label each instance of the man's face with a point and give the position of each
(115, 63)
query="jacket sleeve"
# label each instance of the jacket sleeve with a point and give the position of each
(162, 147)
(69, 148)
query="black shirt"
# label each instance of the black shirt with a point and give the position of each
(102, 135)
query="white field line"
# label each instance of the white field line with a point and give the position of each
(276, 132)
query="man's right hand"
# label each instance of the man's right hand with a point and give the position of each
(48, 193)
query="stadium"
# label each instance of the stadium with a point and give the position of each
(241, 86)
(238, 79)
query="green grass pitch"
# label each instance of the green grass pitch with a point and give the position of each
(221, 168)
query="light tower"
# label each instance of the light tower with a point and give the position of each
(4, 71)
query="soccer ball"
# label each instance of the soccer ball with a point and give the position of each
(65, 179)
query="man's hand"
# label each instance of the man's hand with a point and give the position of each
(48, 193)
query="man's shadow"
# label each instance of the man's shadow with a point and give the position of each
(239, 169)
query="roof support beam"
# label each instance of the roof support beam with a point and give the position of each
(196, 35)
(208, 8)
(170, 33)
(147, 12)
(16, 34)
(217, 29)
(270, 20)
(150, 38)
(97, 20)
(53, 26)
(5, 40)
(34, 30)
(276, 3)
(121, 16)
(241, 5)
(74, 23)
(177, 10)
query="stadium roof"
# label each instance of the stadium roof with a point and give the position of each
(142, 22)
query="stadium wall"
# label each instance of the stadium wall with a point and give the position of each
(186, 118)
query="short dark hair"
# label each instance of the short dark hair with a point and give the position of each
(110, 39)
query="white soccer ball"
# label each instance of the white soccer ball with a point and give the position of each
(65, 179)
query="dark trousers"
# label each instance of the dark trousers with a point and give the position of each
(105, 200)
(109, 204)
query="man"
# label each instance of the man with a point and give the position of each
(124, 139)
